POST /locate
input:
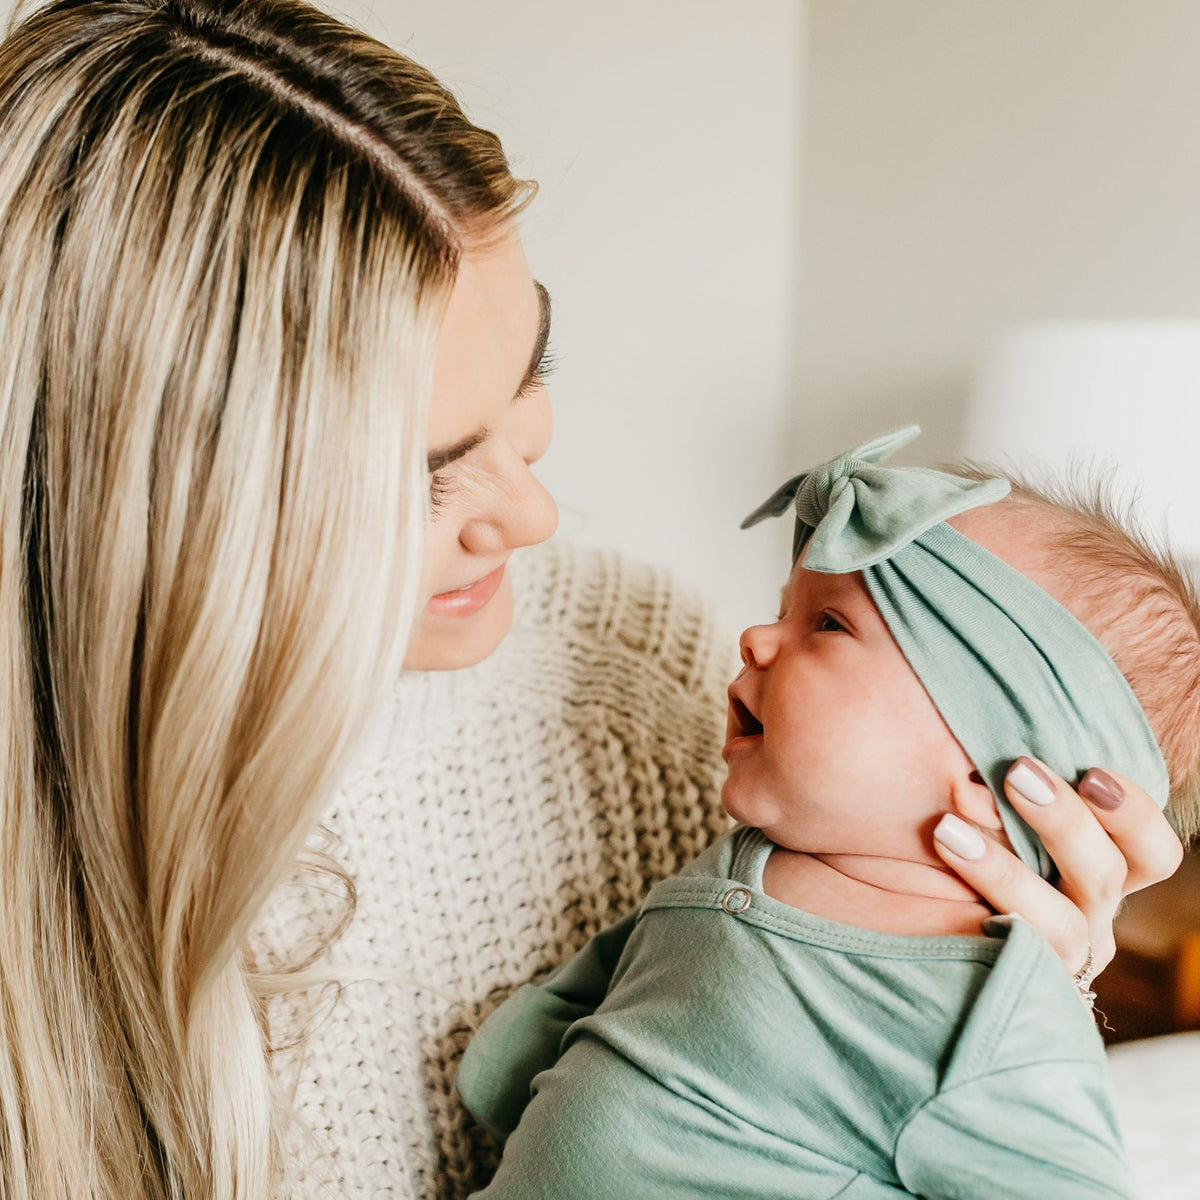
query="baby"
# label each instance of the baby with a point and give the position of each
(816, 1006)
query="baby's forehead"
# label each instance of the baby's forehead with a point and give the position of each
(1021, 534)
(801, 581)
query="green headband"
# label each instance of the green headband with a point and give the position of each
(1011, 671)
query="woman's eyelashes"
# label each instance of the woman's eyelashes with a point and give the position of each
(439, 489)
(545, 368)
(441, 483)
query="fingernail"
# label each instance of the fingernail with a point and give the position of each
(959, 838)
(1101, 789)
(1031, 782)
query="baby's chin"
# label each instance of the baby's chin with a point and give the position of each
(741, 802)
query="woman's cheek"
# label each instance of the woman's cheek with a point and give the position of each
(539, 430)
(440, 537)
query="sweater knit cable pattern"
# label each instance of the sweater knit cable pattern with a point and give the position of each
(494, 819)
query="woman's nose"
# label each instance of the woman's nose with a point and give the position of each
(521, 513)
(758, 645)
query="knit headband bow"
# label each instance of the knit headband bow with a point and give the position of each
(852, 514)
(1011, 671)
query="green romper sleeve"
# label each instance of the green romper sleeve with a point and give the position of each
(522, 1037)
(1042, 1130)
(1024, 1108)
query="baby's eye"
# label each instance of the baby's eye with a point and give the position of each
(828, 623)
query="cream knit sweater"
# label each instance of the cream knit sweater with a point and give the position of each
(495, 818)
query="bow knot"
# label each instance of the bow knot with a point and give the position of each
(816, 491)
(851, 513)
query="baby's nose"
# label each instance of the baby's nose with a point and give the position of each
(755, 645)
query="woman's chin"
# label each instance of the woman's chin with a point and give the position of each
(448, 643)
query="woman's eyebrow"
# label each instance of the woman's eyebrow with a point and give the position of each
(443, 458)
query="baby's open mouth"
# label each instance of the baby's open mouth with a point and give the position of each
(746, 723)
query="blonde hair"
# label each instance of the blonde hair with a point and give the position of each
(1122, 581)
(228, 233)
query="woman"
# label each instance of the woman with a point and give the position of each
(255, 267)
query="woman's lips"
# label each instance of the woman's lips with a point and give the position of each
(466, 601)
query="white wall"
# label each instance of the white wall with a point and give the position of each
(970, 164)
(666, 139)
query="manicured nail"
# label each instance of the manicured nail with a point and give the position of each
(1031, 782)
(959, 838)
(1101, 789)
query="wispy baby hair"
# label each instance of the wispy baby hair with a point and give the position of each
(1140, 601)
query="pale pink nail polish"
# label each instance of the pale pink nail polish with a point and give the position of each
(959, 838)
(1031, 782)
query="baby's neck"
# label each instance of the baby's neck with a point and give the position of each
(884, 894)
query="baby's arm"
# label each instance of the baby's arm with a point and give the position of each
(1024, 1105)
(522, 1037)
(1045, 1129)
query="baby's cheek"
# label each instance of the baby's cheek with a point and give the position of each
(861, 741)
(820, 769)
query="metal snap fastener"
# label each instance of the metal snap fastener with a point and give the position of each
(736, 900)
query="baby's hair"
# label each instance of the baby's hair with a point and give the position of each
(1122, 581)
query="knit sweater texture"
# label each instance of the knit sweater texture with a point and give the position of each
(493, 820)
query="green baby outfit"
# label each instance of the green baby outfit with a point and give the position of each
(719, 1043)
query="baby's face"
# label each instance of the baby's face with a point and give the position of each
(833, 744)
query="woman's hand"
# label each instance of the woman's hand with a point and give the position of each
(1107, 839)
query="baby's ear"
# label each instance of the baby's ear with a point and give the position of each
(972, 799)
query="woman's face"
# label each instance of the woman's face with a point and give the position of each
(489, 421)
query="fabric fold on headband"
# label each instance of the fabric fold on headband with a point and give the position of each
(1010, 670)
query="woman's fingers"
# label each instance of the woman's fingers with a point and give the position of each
(1106, 834)
(1107, 839)
(1149, 845)
(1090, 864)
(1009, 885)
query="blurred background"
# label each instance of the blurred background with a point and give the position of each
(773, 230)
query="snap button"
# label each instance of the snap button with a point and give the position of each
(736, 900)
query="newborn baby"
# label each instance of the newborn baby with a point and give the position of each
(816, 1006)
